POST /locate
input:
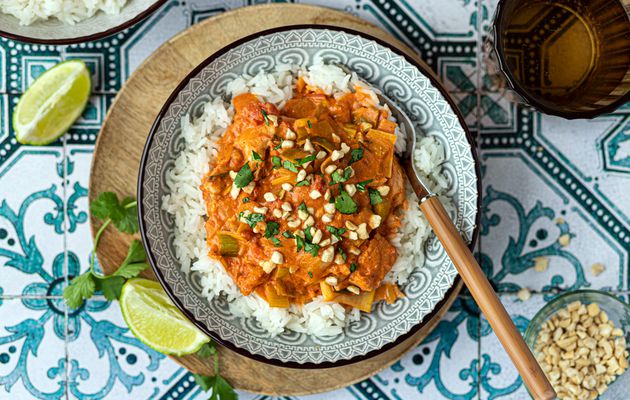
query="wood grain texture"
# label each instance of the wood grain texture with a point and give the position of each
(119, 148)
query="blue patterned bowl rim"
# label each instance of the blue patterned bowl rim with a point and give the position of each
(164, 272)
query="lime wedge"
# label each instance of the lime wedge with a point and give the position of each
(52, 103)
(155, 320)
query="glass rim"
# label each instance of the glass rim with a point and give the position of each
(515, 85)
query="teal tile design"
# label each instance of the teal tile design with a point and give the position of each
(553, 205)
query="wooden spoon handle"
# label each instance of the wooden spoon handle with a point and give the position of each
(486, 298)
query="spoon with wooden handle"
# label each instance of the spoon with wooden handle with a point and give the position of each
(468, 268)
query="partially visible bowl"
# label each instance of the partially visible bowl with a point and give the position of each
(101, 25)
(618, 312)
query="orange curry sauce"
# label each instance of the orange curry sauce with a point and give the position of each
(301, 201)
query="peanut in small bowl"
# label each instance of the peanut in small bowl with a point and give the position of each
(581, 341)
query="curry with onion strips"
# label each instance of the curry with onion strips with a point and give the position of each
(302, 201)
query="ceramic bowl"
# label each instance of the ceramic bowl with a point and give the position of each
(420, 95)
(97, 27)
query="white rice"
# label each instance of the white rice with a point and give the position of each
(67, 11)
(185, 202)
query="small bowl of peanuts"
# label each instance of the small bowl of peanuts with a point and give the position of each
(580, 340)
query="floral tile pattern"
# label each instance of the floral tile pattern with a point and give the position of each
(553, 207)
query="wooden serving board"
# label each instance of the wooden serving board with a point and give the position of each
(117, 157)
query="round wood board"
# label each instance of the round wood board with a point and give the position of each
(117, 157)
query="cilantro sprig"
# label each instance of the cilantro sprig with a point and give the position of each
(221, 389)
(344, 203)
(123, 215)
(244, 176)
(356, 155)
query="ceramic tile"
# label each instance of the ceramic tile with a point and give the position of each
(32, 348)
(31, 221)
(535, 235)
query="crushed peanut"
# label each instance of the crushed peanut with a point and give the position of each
(581, 351)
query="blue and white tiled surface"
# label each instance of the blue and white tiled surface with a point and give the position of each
(555, 202)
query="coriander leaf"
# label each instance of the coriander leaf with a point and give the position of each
(127, 222)
(276, 241)
(302, 183)
(111, 287)
(302, 207)
(264, 113)
(344, 203)
(276, 161)
(256, 156)
(272, 229)
(337, 177)
(310, 274)
(308, 121)
(353, 267)
(288, 235)
(311, 248)
(375, 197)
(347, 173)
(245, 199)
(290, 166)
(207, 350)
(342, 253)
(80, 288)
(222, 390)
(336, 231)
(102, 205)
(204, 382)
(253, 219)
(356, 155)
(361, 185)
(299, 242)
(307, 234)
(306, 159)
(244, 176)
(132, 270)
(135, 253)
(276, 147)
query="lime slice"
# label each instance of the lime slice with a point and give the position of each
(155, 321)
(52, 103)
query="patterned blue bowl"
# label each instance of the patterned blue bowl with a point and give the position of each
(398, 76)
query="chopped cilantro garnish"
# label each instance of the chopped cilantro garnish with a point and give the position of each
(240, 215)
(311, 248)
(245, 199)
(290, 166)
(353, 267)
(337, 177)
(253, 219)
(342, 253)
(331, 200)
(310, 274)
(361, 185)
(356, 155)
(275, 241)
(347, 173)
(308, 121)
(276, 161)
(288, 234)
(264, 113)
(302, 161)
(336, 231)
(375, 197)
(302, 207)
(307, 234)
(299, 242)
(244, 176)
(303, 183)
(344, 203)
(273, 228)
(276, 147)
(256, 156)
